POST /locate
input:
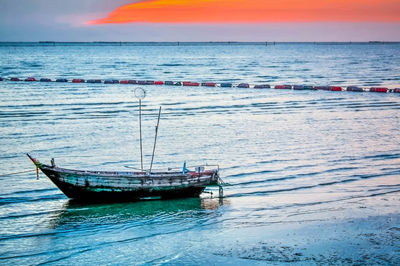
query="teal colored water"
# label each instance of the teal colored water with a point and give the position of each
(314, 175)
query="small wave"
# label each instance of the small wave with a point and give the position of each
(295, 176)
(171, 65)
(382, 156)
(23, 114)
(29, 191)
(17, 216)
(15, 200)
(30, 64)
(352, 178)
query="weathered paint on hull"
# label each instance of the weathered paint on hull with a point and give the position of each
(88, 188)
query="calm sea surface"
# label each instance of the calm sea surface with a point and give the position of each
(314, 175)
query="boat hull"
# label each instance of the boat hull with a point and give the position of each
(128, 186)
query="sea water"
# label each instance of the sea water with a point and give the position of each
(313, 177)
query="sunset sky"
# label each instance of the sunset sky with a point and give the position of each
(200, 20)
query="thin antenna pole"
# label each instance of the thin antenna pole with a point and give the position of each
(155, 139)
(140, 130)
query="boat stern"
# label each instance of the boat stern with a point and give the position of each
(215, 177)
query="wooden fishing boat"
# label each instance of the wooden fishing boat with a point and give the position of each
(118, 185)
(127, 186)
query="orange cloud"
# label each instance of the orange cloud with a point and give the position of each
(253, 11)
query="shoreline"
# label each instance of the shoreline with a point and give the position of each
(373, 240)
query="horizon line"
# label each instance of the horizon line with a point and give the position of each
(200, 42)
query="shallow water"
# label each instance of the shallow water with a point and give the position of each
(314, 175)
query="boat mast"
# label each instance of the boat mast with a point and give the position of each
(140, 130)
(140, 94)
(155, 139)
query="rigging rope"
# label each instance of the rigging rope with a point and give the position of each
(17, 173)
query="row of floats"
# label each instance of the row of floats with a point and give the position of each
(209, 84)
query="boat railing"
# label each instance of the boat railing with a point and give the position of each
(195, 167)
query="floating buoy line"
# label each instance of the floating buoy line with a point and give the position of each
(208, 84)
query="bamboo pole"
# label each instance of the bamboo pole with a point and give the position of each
(155, 139)
(140, 133)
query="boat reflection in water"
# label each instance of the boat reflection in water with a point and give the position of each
(75, 213)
